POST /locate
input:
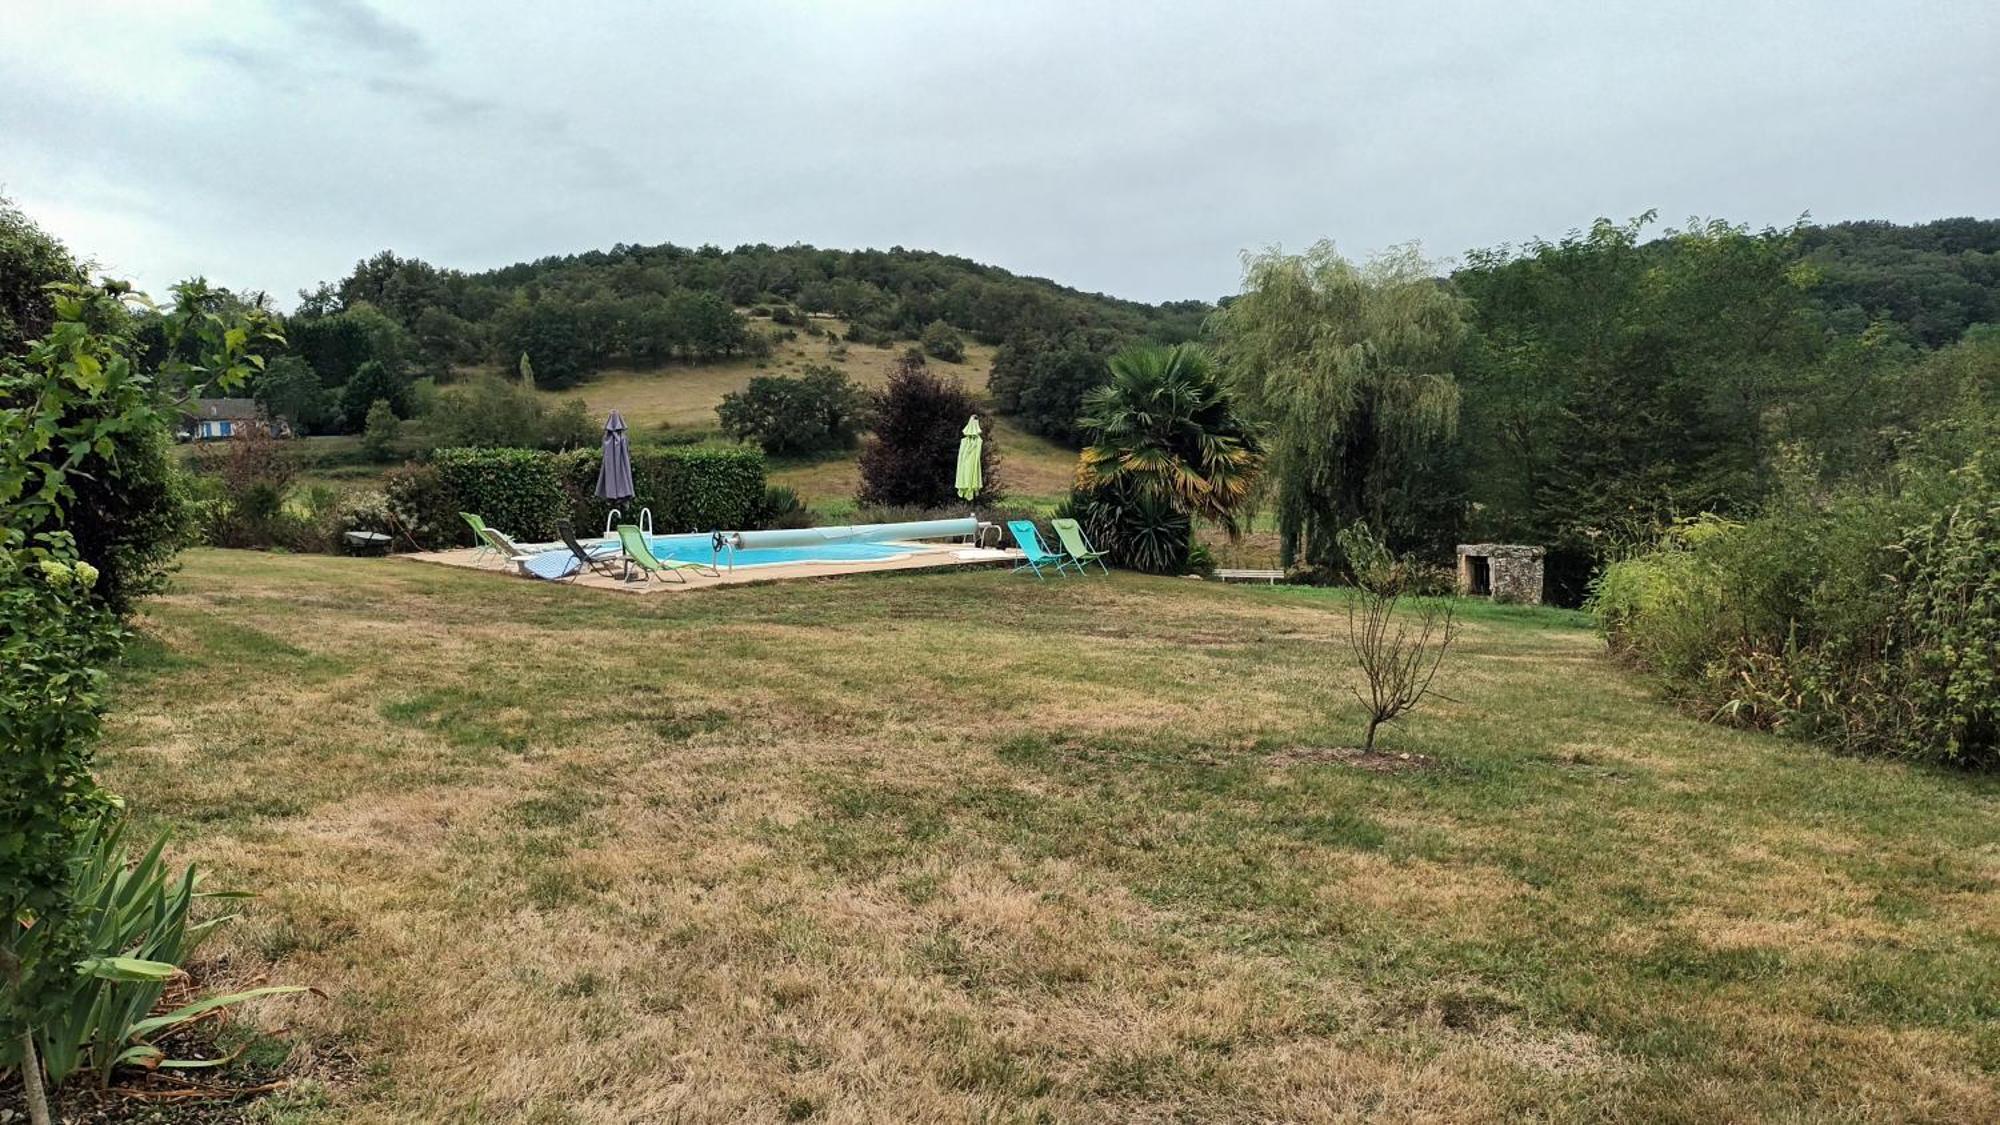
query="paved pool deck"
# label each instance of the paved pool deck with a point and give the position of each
(921, 556)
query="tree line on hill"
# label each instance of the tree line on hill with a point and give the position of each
(1581, 393)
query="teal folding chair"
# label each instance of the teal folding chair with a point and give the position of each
(1034, 555)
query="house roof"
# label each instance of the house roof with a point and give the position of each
(233, 409)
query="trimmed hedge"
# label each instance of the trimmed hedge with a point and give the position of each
(689, 488)
(523, 492)
(516, 490)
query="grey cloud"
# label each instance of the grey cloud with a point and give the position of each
(355, 24)
(1134, 148)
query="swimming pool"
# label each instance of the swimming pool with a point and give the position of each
(699, 549)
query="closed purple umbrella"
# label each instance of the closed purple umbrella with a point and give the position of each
(614, 477)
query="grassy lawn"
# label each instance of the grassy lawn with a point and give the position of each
(977, 847)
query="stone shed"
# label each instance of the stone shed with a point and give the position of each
(1505, 572)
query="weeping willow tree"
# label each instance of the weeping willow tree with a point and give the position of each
(1348, 367)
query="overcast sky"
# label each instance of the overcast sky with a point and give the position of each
(1134, 148)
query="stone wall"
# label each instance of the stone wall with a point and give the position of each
(1505, 572)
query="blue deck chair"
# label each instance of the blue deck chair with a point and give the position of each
(1037, 556)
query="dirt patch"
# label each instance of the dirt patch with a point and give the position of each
(1374, 761)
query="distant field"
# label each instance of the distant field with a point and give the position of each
(684, 398)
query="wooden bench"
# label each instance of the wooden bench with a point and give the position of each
(1271, 576)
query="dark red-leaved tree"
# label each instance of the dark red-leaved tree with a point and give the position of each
(911, 457)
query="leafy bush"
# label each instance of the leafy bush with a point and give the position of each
(519, 491)
(491, 412)
(380, 429)
(131, 515)
(372, 381)
(817, 412)
(1870, 622)
(1042, 381)
(138, 928)
(782, 508)
(912, 457)
(862, 333)
(689, 488)
(290, 390)
(422, 508)
(942, 341)
(55, 641)
(1135, 528)
(246, 483)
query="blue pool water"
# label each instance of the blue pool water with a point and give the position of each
(695, 549)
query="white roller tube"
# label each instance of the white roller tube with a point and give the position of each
(858, 533)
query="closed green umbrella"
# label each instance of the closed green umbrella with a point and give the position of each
(970, 478)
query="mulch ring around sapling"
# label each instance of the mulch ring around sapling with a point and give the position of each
(1374, 761)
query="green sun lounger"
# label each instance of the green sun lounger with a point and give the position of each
(1035, 556)
(1070, 533)
(478, 527)
(641, 556)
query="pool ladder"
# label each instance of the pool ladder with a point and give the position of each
(645, 523)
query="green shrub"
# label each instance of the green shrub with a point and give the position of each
(422, 509)
(380, 429)
(943, 341)
(1135, 528)
(138, 928)
(519, 491)
(131, 515)
(689, 488)
(818, 411)
(495, 413)
(782, 508)
(1869, 622)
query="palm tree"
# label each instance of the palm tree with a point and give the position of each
(1166, 429)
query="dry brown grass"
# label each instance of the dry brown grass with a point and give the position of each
(969, 847)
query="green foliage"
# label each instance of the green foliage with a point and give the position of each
(1870, 621)
(380, 428)
(422, 510)
(495, 412)
(337, 344)
(519, 491)
(55, 640)
(1042, 380)
(689, 488)
(247, 483)
(31, 260)
(1137, 529)
(1615, 385)
(1165, 444)
(1932, 281)
(942, 341)
(136, 930)
(643, 306)
(782, 508)
(523, 492)
(130, 515)
(290, 390)
(1350, 367)
(911, 457)
(817, 412)
(372, 382)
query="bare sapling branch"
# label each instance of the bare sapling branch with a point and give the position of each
(1399, 658)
